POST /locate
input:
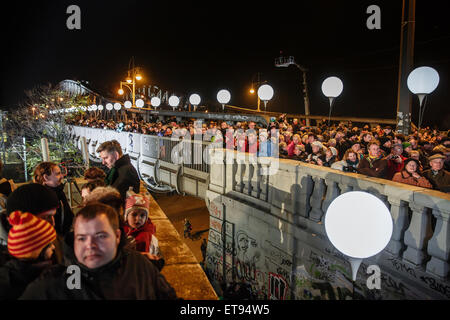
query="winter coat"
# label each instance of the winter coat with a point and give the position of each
(129, 276)
(373, 168)
(394, 167)
(405, 177)
(15, 275)
(439, 180)
(142, 235)
(125, 176)
(329, 162)
(340, 165)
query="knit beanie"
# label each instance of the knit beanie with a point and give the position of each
(136, 201)
(33, 198)
(28, 235)
(317, 144)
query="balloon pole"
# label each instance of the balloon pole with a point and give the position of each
(331, 105)
(354, 263)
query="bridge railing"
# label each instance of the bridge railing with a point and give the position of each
(300, 194)
(189, 153)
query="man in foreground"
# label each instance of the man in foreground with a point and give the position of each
(106, 270)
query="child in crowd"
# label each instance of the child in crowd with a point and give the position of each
(137, 223)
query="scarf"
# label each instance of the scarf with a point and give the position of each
(109, 177)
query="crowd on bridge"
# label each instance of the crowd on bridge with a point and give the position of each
(105, 248)
(421, 158)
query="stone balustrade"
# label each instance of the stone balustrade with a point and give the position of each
(286, 210)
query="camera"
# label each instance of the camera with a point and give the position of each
(349, 169)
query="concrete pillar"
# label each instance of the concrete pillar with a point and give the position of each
(399, 213)
(316, 199)
(417, 235)
(439, 245)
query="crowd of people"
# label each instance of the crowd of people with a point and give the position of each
(421, 158)
(105, 248)
(110, 237)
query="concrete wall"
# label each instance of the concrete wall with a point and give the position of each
(268, 231)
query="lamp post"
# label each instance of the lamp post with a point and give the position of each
(422, 81)
(133, 75)
(223, 96)
(283, 62)
(265, 93)
(195, 99)
(332, 87)
(252, 90)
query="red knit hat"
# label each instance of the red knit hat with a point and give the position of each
(28, 235)
(136, 201)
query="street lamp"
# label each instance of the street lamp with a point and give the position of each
(174, 101)
(422, 81)
(265, 93)
(286, 62)
(252, 90)
(195, 99)
(133, 75)
(223, 96)
(332, 87)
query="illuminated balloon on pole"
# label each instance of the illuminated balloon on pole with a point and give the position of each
(223, 96)
(332, 88)
(422, 81)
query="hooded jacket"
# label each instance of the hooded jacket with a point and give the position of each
(129, 276)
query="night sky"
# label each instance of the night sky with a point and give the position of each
(201, 47)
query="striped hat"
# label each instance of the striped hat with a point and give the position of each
(28, 235)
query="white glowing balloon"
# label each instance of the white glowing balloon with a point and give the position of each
(332, 87)
(223, 96)
(195, 99)
(265, 92)
(100, 107)
(128, 104)
(109, 106)
(358, 224)
(117, 106)
(94, 107)
(155, 101)
(174, 101)
(140, 103)
(423, 80)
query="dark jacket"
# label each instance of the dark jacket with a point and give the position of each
(64, 214)
(125, 176)
(374, 168)
(440, 180)
(15, 275)
(129, 276)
